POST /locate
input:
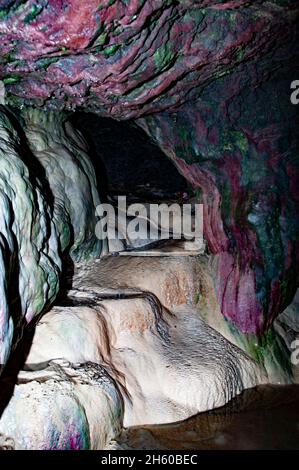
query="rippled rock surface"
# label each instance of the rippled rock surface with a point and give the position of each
(209, 81)
(30, 261)
(142, 363)
(215, 77)
(131, 57)
(48, 195)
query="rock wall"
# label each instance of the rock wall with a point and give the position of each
(63, 154)
(215, 77)
(238, 145)
(209, 81)
(30, 261)
(115, 356)
(131, 57)
(48, 195)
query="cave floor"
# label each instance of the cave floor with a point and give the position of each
(165, 358)
(262, 418)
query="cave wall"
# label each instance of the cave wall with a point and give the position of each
(48, 194)
(238, 145)
(132, 57)
(205, 80)
(209, 81)
(62, 152)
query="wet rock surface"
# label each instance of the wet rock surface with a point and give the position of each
(135, 57)
(48, 194)
(160, 365)
(63, 154)
(209, 82)
(263, 418)
(30, 262)
(144, 358)
(238, 146)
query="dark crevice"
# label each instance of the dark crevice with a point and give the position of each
(127, 162)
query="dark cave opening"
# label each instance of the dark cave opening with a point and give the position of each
(128, 162)
(130, 165)
(148, 270)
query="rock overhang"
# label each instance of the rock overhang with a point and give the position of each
(201, 78)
